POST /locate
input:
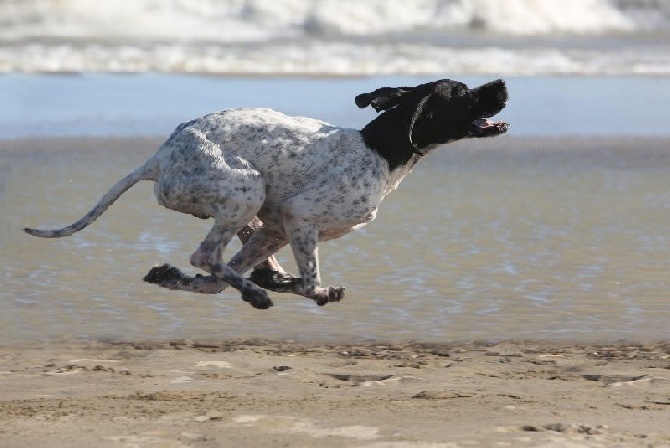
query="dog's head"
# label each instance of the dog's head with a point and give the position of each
(444, 110)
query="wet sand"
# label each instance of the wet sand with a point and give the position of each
(188, 393)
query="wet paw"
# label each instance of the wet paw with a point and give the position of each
(335, 294)
(332, 294)
(257, 298)
(170, 277)
(164, 274)
(273, 280)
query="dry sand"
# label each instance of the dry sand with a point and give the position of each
(269, 393)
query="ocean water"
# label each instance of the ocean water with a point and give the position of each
(343, 37)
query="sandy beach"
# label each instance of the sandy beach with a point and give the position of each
(189, 393)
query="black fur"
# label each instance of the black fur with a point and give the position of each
(429, 114)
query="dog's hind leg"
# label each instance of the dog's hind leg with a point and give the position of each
(259, 247)
(200, 179)
(267, 274)
(258, 252)
(208, 257)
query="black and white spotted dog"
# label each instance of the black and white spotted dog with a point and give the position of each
(274, 180)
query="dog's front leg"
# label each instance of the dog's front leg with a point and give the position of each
(303, 237)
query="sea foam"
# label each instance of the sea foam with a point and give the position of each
(336, 36)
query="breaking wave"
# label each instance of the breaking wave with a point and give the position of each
(336, 36)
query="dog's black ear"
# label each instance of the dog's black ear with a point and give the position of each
(383, 98)
(444, 88)
(417, 119)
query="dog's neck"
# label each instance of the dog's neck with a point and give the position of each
(388, 136)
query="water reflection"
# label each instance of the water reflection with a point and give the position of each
(514, 239)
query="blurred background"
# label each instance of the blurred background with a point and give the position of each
(336, 37)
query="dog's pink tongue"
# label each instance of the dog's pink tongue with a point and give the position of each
(483, 123)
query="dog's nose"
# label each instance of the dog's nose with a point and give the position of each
(502, 87)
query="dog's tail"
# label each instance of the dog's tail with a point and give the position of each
(148, 171)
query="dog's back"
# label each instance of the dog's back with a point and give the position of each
(289, 152)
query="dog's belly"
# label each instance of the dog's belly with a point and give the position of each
(331, 219)
(336, 201)
(332, 233)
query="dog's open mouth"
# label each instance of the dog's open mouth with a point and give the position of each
(483, 127)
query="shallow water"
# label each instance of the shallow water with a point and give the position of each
(532, 238)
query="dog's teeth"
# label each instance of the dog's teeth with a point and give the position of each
(483, 123)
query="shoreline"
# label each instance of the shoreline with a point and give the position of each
(214, 343)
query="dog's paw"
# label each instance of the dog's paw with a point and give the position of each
(273, 280)
(257, 298)
(331, 294)
(170, 277)
(335, 294)
(164, 274)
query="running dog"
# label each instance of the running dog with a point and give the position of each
(274, 180)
